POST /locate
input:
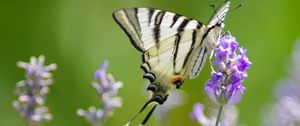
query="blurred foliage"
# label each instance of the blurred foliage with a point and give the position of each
(79, 34)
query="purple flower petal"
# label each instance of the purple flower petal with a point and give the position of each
(33, 89)
(229, 118)
(101, 75)
(198, 114)
(227, 82)
(107, 89)
(243, 60)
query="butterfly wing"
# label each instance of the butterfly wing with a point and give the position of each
(146, 26)
(210, 39)
(169, 60)
(198, 60)
(220, 14)
(166, 39)
(172, 45)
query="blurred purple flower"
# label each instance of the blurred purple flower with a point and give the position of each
(33, 89)
(107, 90)
(230, 115)
(225, 86)
(286, 110)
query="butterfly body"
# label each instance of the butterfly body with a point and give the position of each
(173, 46)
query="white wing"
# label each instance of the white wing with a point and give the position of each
(167, 40)
(210, 39)
(146, 26)
(220, 14)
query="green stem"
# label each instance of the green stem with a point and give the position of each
(219, 115)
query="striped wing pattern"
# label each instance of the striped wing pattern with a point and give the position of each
(210, 37)
(166, 39)
(198, 61)
(173, 46)
(146, 27)
(220, 14)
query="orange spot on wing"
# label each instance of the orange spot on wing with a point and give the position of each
(176, 79)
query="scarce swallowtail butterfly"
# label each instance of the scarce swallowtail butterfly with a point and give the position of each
(173, 46)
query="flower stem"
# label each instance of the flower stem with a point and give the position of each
(219, 115)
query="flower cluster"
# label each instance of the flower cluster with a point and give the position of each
(107, 90)
(231, 62)
(33, 89)
(230, 116)
(286, 110)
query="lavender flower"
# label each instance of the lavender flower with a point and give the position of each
(230, 116)
(33, 89)
(107, 90)
(226, 83)
(286, 110)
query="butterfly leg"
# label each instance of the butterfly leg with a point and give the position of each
(226, 33)
(210, 57)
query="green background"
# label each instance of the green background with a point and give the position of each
(79, 34)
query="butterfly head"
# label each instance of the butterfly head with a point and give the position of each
(218, 18)
(216, 25)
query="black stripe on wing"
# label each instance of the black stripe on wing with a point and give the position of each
(144, 26)
(128, 32)
(191, 49)
(157, 23)
(175, 18)
(202, 54)
(176, 44)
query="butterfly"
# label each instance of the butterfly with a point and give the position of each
(173, 46)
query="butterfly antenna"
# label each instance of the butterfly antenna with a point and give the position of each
(148, 116)
(213, 6)
(240, 5)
